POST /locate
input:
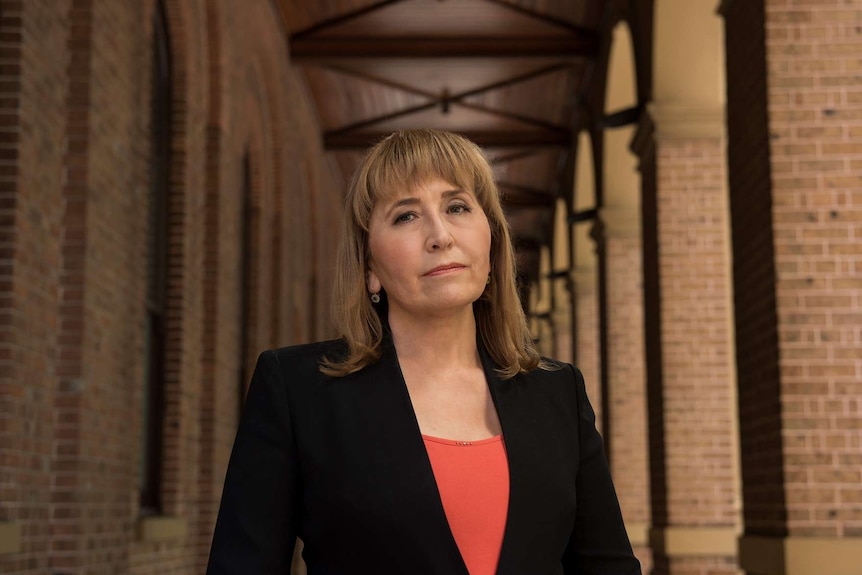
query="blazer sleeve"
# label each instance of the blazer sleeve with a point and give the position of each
(257, 521)
(599, 544)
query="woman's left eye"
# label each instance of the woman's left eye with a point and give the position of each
(459, 208)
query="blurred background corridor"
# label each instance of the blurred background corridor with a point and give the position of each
(683, 179)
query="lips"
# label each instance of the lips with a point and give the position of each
(444, 269)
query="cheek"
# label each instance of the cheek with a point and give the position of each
(384, 259)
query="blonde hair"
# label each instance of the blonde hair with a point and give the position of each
(402, 161)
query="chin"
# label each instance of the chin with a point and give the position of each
(460, 301)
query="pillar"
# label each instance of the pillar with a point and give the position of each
(693, 427)
(795, 173)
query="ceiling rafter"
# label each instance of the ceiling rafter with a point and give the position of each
(342, 18)
(445, 103)
(488, 139)
(513, 116)
(383, 118)
(446, 100)
(347, 71)
(551, 68)
(305, 50)
(580, 41)
(558, 22)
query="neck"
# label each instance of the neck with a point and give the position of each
(436, 341)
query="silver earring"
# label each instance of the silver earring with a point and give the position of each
(375, 298)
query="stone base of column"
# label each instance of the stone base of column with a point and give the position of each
(694, 550)
(694, 541)
(800, 555)
(10, 537)
(639, 538)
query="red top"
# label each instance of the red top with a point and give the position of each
(473, 480)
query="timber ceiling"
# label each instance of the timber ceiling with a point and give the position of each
(505, 73)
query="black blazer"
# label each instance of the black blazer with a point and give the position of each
(340, 462)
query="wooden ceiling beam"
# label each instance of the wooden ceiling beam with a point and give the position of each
(447, 100)
(309, 50)
(511, 116)
(492, 139)
(343, 18)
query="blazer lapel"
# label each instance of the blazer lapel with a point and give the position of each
(541, 452)
(504, 396)
(415, 466)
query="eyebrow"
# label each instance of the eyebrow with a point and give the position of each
(413, 201)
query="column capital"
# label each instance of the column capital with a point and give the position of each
(687, 120)
(621, 221)
(585, 279)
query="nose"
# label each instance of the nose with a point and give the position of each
(439, 236)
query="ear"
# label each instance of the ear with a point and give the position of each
(373, 282)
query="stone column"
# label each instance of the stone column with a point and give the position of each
(695, 499)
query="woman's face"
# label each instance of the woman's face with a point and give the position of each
(429, 250)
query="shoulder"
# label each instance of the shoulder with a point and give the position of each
(304, 360)
(550, 373)
(560, 378)
(550, 369)
(316, 351)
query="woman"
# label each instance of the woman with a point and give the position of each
(430, 438)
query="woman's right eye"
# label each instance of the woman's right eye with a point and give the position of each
(405, 217)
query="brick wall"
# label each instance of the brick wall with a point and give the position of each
(75, 263)
(33, 84)
(815, 122)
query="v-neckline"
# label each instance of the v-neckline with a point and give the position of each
(418, 441)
